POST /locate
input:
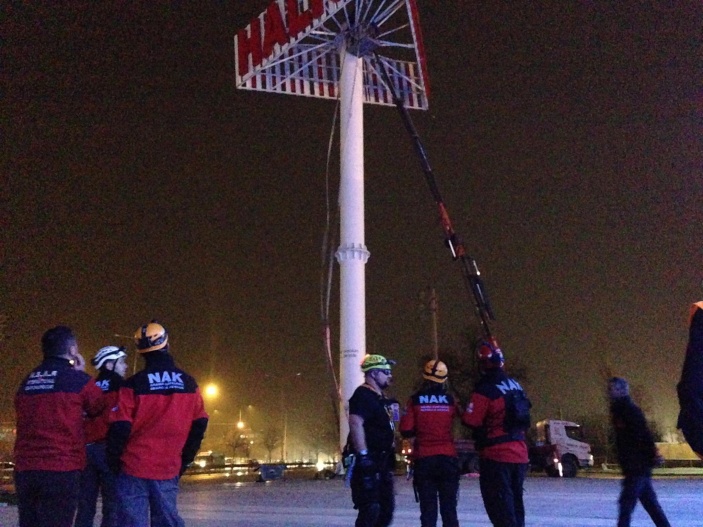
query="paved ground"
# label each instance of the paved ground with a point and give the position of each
(583, 502)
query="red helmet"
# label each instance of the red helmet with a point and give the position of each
(489, 354)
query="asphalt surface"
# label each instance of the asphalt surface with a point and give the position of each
(304, 502)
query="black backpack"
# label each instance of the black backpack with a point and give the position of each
(517, 412)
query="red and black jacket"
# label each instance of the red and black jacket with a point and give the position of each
(50, 405)
(158, 423)
(96, 427)
(486, 415)
(428, 417)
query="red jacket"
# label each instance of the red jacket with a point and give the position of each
(428, 417)
(486, 413)
(159, 421)
(96, 427)
(50, 404)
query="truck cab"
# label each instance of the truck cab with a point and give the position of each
(559, 448)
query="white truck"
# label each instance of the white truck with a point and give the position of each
(559, 449)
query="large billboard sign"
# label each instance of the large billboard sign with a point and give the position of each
(294, 47)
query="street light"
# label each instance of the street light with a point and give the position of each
(211, 391)
(240, 423)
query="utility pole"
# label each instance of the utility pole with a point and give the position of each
(433, 313)
(428, 302)
(284, 447)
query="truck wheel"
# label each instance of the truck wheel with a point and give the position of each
(569, 467)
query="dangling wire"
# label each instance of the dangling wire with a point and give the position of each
(326, 274)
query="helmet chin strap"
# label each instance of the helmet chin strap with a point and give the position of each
(372, 383)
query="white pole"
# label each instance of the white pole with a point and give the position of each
(352, 254)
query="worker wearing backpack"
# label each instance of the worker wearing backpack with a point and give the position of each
(498, 412)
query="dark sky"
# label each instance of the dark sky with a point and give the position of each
(138, 182)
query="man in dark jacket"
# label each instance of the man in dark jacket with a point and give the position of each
(155, 432)
(637, 454)
(50, 449)
(97, 478)
(501, 445)
(428, 418)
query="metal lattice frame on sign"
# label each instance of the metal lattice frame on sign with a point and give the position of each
(294, 47)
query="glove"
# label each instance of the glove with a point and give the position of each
(366, 465)
(369, 473)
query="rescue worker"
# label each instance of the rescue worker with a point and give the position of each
(501, 446)
(49, 446)
(155, 432)
(97, 478)
(371, 433)
(428, 418)
(637, 455)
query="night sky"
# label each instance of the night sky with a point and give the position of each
(566, 138)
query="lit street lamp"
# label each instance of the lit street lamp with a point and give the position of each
(211, 391)
(240, 423)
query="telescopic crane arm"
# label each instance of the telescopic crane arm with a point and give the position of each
(469, 268)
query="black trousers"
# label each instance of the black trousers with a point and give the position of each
(501, 489)
(640, 488)
(46, 498)
(374, 498)
(437, 478)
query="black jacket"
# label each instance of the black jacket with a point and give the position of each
(690, 387)
(637, 453)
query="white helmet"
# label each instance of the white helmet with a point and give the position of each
(107, 353)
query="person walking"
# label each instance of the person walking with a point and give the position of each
(49, 447)
(428, 418)
(637, 455)
(498, 411)
(155, 432)
(97, 478)
(371, 434)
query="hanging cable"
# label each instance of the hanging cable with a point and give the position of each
(326, 274)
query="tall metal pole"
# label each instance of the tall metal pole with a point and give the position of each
(352, 254)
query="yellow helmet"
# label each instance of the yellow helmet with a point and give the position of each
(376, 362)
(436, 371)
(151, 337)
